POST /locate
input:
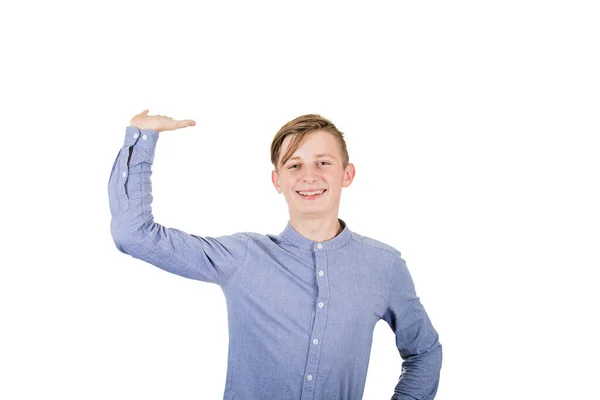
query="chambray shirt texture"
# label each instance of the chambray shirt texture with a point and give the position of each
(301, 313)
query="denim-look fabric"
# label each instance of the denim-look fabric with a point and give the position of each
(301, 314)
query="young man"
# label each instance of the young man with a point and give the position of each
(302, 305)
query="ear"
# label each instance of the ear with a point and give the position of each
(348, 175)
(275, 180)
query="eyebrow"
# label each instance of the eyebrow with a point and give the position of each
(316, 155)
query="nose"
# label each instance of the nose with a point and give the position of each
(310, 174)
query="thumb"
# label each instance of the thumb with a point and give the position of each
(144, 112)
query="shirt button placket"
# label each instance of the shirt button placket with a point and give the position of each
(318, 328)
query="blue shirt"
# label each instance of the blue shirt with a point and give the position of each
(301, 314)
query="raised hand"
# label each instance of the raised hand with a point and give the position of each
(159, 123)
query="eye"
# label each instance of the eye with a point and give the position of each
(297, 165)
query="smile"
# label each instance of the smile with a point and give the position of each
(311, 195)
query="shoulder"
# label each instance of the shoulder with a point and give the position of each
(377, 245)
(252, 236)
(261, 238)
(387, 255)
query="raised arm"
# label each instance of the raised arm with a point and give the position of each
(134, 232)
(416, 339)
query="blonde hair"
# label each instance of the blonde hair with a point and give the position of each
(300, 127)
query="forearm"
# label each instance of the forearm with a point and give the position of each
(129, 186)
(416, 338)
(420, 375)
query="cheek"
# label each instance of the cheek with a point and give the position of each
(333, 177)
(289, 184)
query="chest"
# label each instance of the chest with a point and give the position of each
(291, 289)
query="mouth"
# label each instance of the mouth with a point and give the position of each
(311, 194)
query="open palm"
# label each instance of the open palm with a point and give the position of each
(159, 123)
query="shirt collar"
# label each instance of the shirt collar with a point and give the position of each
(292, 236)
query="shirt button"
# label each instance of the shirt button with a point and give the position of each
(321, 273)
(124, 174)
(309, 377)
(319, 246)
(135, 135)
(321, 304)
(316, 341)
(144, 137)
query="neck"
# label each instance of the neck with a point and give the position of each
(318, 229)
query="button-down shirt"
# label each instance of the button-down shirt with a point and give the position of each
(301, 313)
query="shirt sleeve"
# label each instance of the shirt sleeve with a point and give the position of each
(416, 339)
(134, 232)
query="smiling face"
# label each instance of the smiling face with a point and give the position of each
(316, 170)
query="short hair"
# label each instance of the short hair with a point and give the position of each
(300, 127)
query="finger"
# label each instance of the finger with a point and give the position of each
(185, 122)
(144, 112)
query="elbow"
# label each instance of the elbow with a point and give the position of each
(119, 238)
(438, 356)
(126, 241)
(120, 243)
(435, 354)
(433, 361)
(429, 358)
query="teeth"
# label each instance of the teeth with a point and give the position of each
(311, 193)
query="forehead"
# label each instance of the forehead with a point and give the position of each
(314, 143)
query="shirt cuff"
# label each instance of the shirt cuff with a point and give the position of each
(141, 137)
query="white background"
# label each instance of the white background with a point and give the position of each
(473, 127)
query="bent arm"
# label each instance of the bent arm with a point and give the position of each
(134, 232)
(416, 339)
